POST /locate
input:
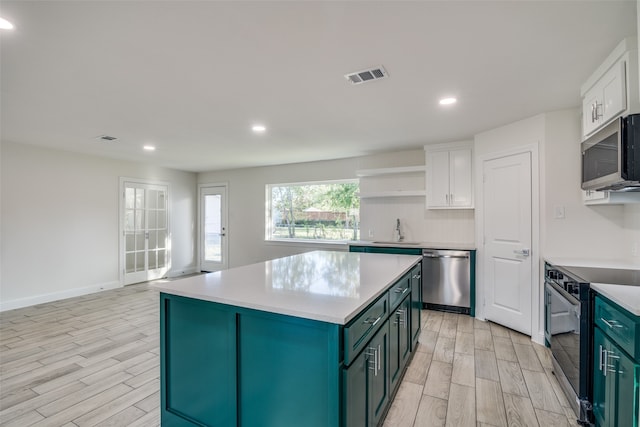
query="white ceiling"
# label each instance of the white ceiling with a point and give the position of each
(191, 77)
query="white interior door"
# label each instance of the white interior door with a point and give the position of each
(145, 232)
(213, 228)
(507, 229)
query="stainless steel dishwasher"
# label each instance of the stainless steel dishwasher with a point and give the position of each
(446, 280)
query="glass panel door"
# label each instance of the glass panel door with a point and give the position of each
(213, 233)
(145, 232)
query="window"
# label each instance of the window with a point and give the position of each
(318, 211)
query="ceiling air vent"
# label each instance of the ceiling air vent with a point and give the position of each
(367, 75)
(106, 138)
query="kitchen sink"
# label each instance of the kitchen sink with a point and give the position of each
(389, 242)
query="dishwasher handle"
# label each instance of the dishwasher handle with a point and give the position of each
(428, 255)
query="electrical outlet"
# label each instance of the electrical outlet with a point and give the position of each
(370, 233)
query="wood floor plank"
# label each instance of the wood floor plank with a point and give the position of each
(486, 365)
(438, 380)
(544, 355)
(511, 379)
(449, 327)
(115, 406)
(551, 419)
(444, 349)
(465, 324)
(26, 419)
(432, 412)
(483, 339)
(519, 411)
(489, 403)
(527, 357)
(504, 349)
(427, 340)
(418, 368)
(541, 393)
(461, 408)
(405, 406)
(463, 370)
(22, 408)
(465, 343)
(122, 418)
(499, 330)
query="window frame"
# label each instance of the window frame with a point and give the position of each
(300, 241)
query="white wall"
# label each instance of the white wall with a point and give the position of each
(60, 222)
(247, 204)
(601, 232)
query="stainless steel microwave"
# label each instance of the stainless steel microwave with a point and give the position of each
(611, 157)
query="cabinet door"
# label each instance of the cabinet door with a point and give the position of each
(378, 375)
(614, 99)
(355, 391)
(399, 341)
(460, 178)
(416, 304)
(437, 179)
(198, 364)
(601, 388)
(622, 372)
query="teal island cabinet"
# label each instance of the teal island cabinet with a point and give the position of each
(317, 339)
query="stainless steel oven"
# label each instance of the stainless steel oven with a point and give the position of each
(567, 333)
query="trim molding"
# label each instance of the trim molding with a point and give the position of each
(55, 296)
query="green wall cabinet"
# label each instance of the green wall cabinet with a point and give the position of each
(616, 379)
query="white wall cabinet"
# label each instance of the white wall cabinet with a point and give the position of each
(449, 176)
(612, 90)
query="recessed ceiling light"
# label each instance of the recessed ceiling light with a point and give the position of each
(5, 25)
(258, 128)
(149, 147)
(448, 101)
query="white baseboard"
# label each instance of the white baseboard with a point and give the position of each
(55, 296)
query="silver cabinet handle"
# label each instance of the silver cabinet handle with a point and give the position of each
(372, 353)
(598, 115)
(400, 314)
(600, 364)
(416, 276)
(611, 323)
(372, 322)
(378, 358)
(610, 367)
(593, 119)
(523, 252)
(403, 291)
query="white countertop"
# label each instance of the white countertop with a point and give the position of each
(627, 264)
(328, 286)
(416, 245)
(626, 296)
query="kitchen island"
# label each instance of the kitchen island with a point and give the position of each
(317, 339)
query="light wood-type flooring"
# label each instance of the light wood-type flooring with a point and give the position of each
(94, 361)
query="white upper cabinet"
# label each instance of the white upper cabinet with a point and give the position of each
(449, 182)
(612, 90)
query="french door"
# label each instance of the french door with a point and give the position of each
(213, 227)
(145, 231)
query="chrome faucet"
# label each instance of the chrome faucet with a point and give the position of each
(399, 236)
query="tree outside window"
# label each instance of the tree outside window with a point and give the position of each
(320, 211)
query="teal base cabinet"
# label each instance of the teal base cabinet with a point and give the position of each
(222, 365)
(616, 360)
(227, 366)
